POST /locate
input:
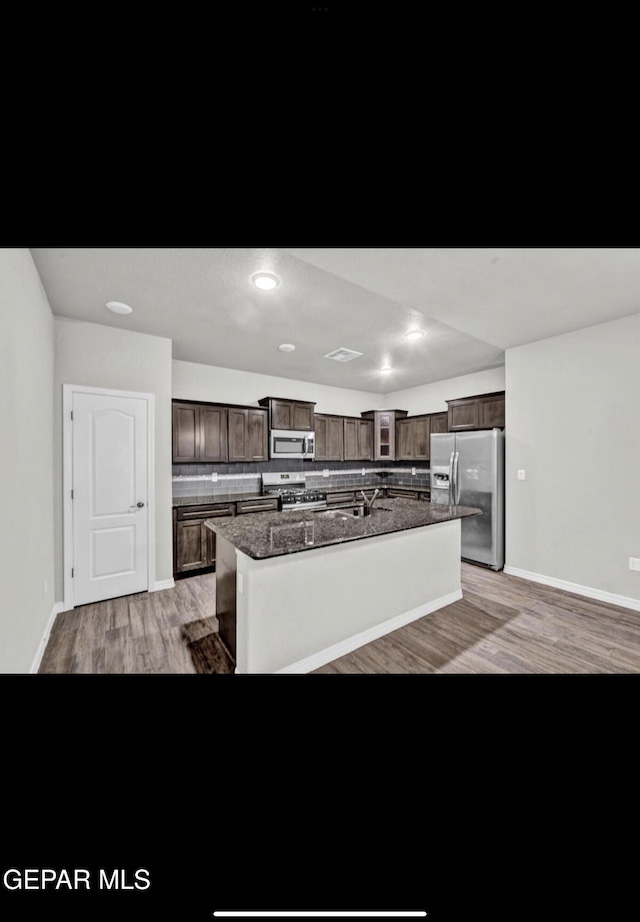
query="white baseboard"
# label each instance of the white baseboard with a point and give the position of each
(161, 584)
(610, 597)
(359, 640)
(37, 659)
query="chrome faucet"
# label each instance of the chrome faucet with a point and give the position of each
(368, 503)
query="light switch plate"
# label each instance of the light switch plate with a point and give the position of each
(521, 475)
(214, 477)
(634, 563)
(325, 472)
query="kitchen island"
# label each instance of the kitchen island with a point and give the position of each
(296, 590)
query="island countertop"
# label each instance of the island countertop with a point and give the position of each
(274, 534)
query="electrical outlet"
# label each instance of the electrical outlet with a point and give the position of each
(214, 477)
(521, 475)
(413, 472)
(363, 472)
(634, 563)
(325, 472)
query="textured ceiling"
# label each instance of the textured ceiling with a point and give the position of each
(473, 303)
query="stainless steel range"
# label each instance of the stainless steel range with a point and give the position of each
(293, 492)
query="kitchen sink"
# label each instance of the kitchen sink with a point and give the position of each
(349, 514)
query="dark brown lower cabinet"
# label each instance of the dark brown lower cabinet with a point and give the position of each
(194, 545)
(257, 505)
(344, 497)
(407, 493)
(400, 491)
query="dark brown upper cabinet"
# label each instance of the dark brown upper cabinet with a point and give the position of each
(358, 439)
(384, 432)
(213, 434)
(486, 411)
(439, 423)
(421, 438)
(412, 438)
(329, 437)
(492, 411)
(186, 433)
(404, 440)
(289, 414)
(199, 433)
(365, 440)
(463, 414)
(248, 434)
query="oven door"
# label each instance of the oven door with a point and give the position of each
(288, 444)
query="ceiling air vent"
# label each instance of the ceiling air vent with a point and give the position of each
(343, 355)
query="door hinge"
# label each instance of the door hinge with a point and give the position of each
(72, 572)
(72, 494)
(72, 415)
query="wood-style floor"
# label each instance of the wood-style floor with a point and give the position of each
(134, 634)
(506, 625)
(502, 625)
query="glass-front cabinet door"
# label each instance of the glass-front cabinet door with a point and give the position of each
(385, 447)
(384, 432)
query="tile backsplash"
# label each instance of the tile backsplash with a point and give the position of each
(195, 479)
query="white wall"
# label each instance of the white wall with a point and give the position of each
(26, 460)
(220, 385)
(431, 398)
(573, 425)
(101, 356)
(299, 611)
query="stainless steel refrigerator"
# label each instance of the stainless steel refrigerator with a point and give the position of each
(467, 469)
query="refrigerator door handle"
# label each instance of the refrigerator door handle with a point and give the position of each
(456, 485)
(452, 495)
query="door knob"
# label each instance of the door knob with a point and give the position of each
(138, 505)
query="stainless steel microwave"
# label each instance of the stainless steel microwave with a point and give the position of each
(285, 443)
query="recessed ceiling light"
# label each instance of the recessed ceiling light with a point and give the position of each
(386, 370)
(412, 335)
(286, 347)
(265, 281)
(117, 307)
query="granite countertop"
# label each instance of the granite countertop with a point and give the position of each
(274, 534)
(219, 498)
(239, 497)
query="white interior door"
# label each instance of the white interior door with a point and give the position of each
(110, 496)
